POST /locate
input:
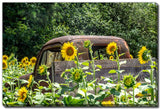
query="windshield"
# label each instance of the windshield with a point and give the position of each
(51, 55)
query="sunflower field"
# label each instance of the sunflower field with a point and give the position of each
(77, 90)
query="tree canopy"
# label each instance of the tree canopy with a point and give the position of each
(27, 26)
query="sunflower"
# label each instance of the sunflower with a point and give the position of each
(123, 98)
(87, 43)
(42, 69)
(30, 80)
(111, 48)
(27, 63)
(4, 89)
(68, 51)
(23, 61)
(22, 93)
(107, 103)
(111, 58)
(143, 55)
(12, 63)
(76, 74)
(26, 58)
(24, 66)
(33, 61)
(5, 64)
(20, 65)
(128, 81)
(137, 85)
(131, 56)
(5, 57)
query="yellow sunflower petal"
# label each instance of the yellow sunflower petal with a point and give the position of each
(29, 80)
(111, 48)
(143, 55)
(5, 64)
(68, 51)
(107, 103)
(5, 57)
(22, 93)
(111, 58)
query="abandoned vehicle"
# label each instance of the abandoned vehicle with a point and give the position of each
(50, 54)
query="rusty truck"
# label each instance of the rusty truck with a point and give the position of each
(50, 55)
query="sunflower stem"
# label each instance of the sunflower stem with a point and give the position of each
(93, 67)
(77, 62)
(151, 78)
(84, 83)
(133, 95)
(125, 96)
(118, 65)
(11, 91)
(52, 89)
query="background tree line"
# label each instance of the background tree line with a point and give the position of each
(27, 26)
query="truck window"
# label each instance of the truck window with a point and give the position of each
(51, 55)
(99, 52)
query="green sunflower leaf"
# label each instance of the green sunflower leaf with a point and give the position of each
(67, 70)
(89, 73)
(86, 63)
(112, 71)
(121, 54)
(120, 71)
(81, 92)
(99, 66)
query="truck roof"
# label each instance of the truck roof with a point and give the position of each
(70, 38)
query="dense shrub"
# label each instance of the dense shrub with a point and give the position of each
(27, 26)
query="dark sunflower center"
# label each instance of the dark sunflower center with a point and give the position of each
(4, 64)
(70, 51)
(145, 55)
(33, 61)
(23, 61)
(5, 58)
(23, 95)
(112, 48)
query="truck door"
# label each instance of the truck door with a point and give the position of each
(49, 56)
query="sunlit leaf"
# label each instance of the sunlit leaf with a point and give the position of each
(99, 66)
(122, 62)
(81, 92)
(112, 71)
(147, 80)
(86, 63)
(121, 54)
(85, 68)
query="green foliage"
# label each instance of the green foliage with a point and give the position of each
(27, 26)
(77, 90)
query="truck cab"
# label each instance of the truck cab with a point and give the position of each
(50, 53)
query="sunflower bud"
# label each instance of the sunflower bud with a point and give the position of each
(42, 69)
(128, 81)
(87, 44)
(76, 75)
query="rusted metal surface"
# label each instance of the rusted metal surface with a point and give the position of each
(78, 42)
(132, 66)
